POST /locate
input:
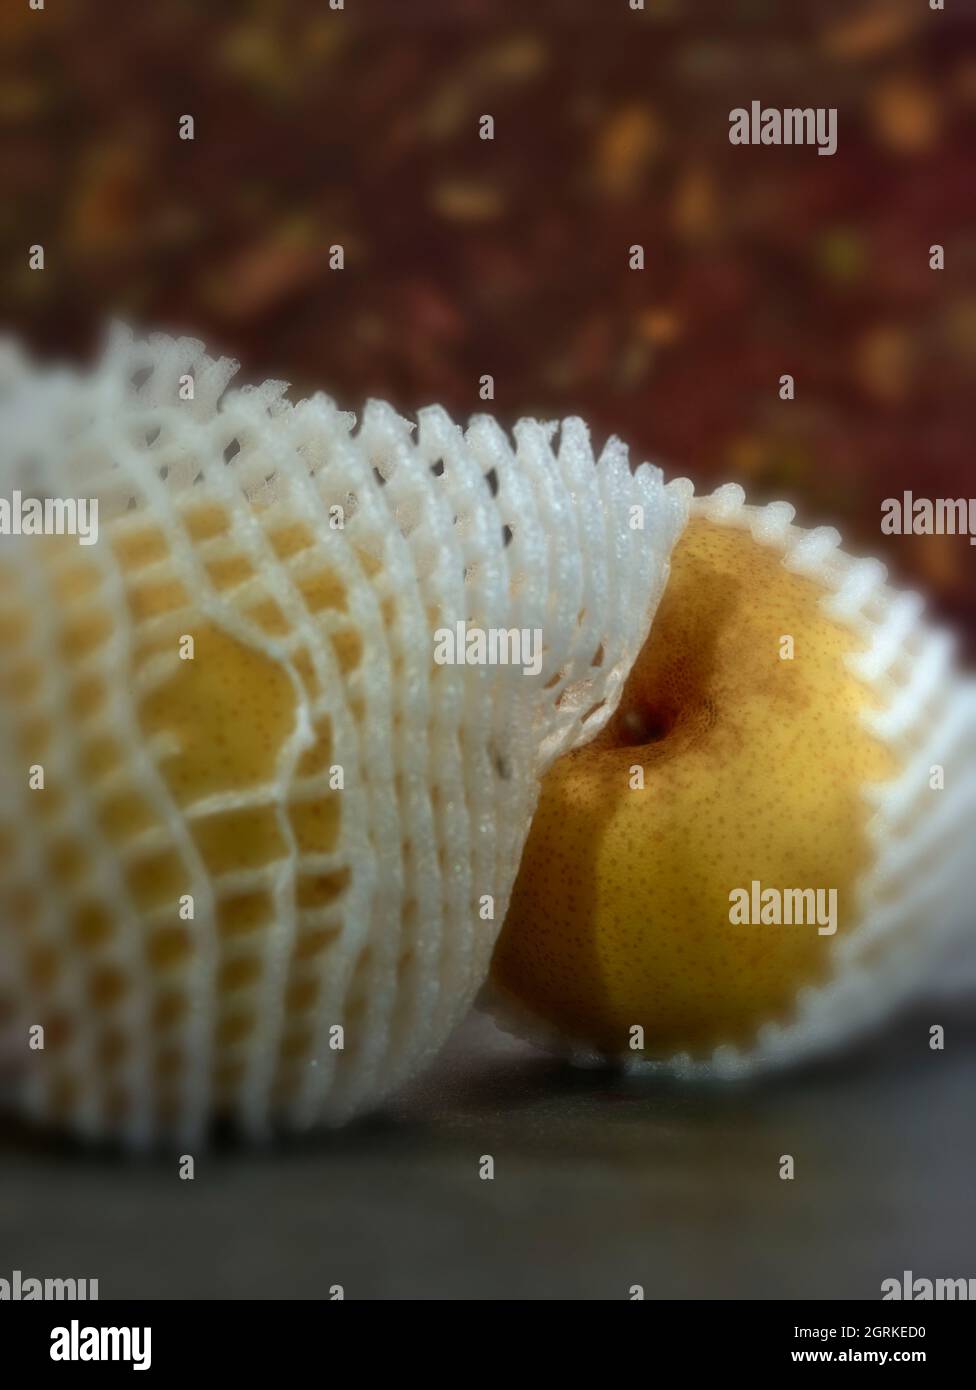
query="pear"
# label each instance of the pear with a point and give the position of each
(256, 839)
(771, 752)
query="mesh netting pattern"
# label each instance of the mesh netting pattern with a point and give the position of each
(336, 805)
(914, 935)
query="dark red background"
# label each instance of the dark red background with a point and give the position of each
(465, 257)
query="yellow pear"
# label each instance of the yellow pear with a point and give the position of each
(673, 900)
(256, 838)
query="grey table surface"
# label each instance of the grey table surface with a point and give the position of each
(600, 1182)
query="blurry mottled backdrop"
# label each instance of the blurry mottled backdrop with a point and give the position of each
(510, 257)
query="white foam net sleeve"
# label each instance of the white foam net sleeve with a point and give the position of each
(916, 932)
(363, 907)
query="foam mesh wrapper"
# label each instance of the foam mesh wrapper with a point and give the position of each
(915, 932)
(441, 764)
